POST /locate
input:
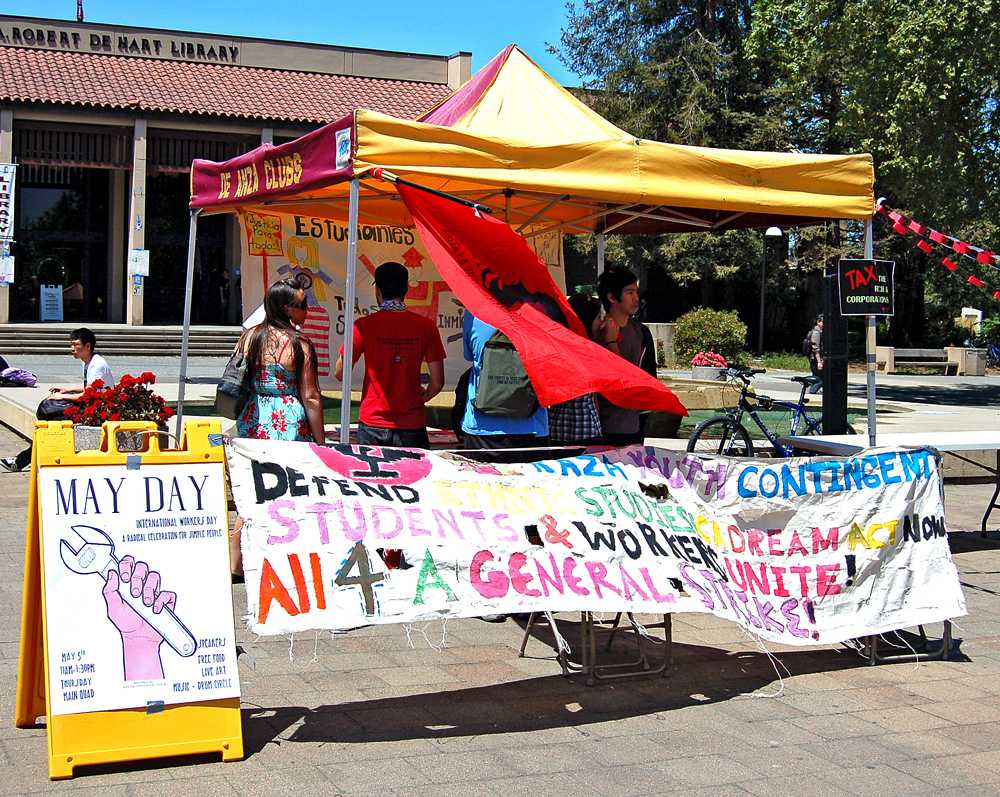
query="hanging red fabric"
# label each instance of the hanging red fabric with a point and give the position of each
(500, 280)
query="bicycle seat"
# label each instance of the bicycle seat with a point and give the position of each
(807, 380)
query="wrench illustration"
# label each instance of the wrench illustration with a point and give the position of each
(92, 551)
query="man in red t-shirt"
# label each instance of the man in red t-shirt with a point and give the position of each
(395, 343)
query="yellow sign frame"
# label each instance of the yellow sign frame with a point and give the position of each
(103, 737)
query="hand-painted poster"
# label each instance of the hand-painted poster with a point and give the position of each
(798, 551)
(282, 245)
(138, 606)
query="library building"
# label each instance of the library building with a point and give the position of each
(102, 123)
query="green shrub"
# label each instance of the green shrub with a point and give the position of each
(704, 329)
(989, 330)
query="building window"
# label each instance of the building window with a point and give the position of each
(216, 296)
(61, 239)
(212, 299)
(37, 143)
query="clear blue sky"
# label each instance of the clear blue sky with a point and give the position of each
(441, 27)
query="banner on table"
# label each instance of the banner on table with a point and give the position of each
(277, 245)
(160, 634)
(797, 551)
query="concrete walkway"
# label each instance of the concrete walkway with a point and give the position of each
(367, 714)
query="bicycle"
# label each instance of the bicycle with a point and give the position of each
(992, 356)
(726, 435)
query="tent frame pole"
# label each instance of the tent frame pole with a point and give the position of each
(870, 342)
(352, 276)
(186, 332)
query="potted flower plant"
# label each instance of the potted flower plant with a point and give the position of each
(707, 365)
(130, 400)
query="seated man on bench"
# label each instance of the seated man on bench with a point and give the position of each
(82, 343)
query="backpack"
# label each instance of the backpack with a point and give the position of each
(504, 388)
(807, 345)
(17, 377)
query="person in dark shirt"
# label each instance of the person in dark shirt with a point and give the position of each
(622, 334)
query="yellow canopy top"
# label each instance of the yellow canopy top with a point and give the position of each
(514, 139)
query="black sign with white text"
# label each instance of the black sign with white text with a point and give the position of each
(866, 287)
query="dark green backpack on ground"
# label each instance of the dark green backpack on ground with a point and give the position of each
(504, 388)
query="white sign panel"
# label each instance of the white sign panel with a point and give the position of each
(138, 604)
(797, 551)
(7, 173)
(50, 305)
(343, 143)
(6, 269)
(138, 262)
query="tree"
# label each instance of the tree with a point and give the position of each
(915, 84)
(678, 72)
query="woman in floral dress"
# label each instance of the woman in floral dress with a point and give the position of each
(286, 403)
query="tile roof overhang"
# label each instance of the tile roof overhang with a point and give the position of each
(237, 92)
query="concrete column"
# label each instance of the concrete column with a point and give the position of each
(136, 220)
(267, 135)
(6, 156)
(459, 70)
(117, 258)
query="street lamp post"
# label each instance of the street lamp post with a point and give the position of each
(771, 232)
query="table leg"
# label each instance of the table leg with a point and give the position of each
(993, 501)
(668, 640)
(527, 633)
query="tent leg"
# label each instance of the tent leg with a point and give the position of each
(352, 276)
(186, 333)
(870, 343)
(600, 255)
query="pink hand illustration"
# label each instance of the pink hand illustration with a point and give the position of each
(140, 641)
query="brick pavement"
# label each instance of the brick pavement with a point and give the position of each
(365, 713)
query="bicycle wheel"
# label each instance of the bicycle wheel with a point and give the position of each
(720, 435)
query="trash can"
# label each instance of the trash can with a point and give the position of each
(975, 362)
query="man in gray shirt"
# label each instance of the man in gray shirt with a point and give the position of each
(620, 333)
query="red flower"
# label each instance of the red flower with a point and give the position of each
(709, 359)
(129, 400)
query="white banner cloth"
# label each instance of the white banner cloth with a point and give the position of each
(798, 551)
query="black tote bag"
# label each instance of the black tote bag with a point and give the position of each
(233, 392)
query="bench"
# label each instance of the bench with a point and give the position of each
(950, 360)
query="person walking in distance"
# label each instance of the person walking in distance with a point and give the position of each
(82, 345)
(816, 353)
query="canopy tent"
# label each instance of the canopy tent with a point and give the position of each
(512, 138)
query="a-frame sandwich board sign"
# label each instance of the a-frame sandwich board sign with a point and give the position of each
(121, 676)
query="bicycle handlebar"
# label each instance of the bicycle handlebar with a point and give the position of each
(746, 374)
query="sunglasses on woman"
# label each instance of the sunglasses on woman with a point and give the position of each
(302, 280)
(302, 305)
